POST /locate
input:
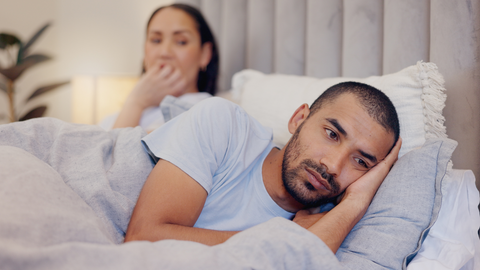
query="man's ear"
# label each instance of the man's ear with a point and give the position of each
(298, 117)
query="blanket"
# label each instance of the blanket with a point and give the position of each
(67, 192)
(106, 169)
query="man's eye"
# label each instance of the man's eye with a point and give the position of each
(331, 134)
(155, 40)
(182, 42)
(361, 162)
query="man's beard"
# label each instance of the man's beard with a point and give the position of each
(303, 191)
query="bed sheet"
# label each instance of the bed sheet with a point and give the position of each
(453, 242)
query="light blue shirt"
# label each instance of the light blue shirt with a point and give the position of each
(222, 148)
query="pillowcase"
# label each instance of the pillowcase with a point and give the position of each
(402, 212)
(416, 91)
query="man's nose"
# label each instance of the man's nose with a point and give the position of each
(334, 160)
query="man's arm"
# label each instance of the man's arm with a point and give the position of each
(168, 206)
(333, 227)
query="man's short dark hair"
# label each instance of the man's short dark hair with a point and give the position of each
(378, 106)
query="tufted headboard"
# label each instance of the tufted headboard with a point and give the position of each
(359, 38)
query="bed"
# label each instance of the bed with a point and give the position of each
(427, 218)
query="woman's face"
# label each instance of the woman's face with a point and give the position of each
(173, 39)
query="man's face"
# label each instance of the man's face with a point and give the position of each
(330, 150)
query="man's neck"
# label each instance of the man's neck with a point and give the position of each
(272, 179)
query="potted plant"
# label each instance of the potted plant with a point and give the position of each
(19, 63)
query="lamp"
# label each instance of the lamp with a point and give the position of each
(95, 97)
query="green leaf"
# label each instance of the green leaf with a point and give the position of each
(14, 72)
(37, 112)
(8, 40)
(20, 53)
(24, 50)
(45, 89)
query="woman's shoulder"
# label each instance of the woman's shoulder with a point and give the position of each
(194, 98)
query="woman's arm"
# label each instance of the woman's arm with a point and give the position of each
(168, 206)
(129, 115)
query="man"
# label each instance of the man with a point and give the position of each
(218, 171)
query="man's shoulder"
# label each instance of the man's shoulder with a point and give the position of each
(217, 103)
(227, 115)
(217, 107)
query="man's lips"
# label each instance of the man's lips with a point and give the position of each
(316, 180)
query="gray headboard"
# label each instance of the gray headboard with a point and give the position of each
(359, 38)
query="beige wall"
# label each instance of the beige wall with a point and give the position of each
(87, 37)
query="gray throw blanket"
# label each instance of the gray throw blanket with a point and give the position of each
(67, 192)
(106, 169)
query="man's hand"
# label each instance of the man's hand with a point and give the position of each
(335, 225)
(366, 186)
(306, 219)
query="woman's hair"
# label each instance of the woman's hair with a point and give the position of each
(207, 80)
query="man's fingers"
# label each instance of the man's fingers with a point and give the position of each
(302, 213)
(393, 156)
(370, 181)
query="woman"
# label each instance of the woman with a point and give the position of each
(181, 59)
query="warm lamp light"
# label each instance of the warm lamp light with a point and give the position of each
(95, 97)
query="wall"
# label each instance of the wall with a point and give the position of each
(359, 38)
(23, 18)
(87, 37)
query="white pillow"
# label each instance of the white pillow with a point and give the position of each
(416, 91)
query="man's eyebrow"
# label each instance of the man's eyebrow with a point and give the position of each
(337, 125)
(372, 158)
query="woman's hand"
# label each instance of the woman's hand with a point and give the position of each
(155, 84)
(158, 82)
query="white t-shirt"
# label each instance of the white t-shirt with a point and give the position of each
(152, 117)
(223, 148)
